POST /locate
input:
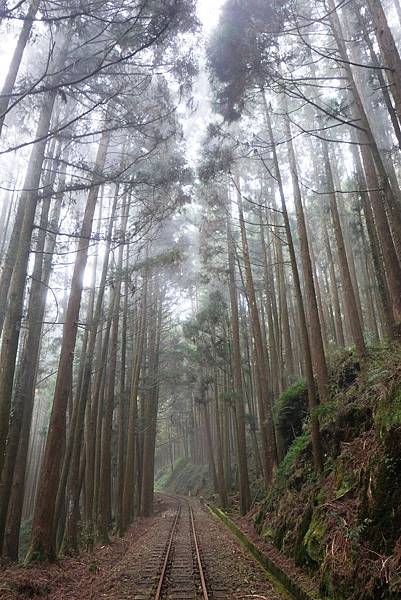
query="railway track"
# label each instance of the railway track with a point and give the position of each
(176, 570)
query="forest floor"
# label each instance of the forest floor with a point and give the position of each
(115, 571)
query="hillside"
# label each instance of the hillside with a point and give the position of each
(345, 527)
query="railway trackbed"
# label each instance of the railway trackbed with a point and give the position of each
(176, 568)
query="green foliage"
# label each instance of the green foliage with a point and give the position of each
(314, 538)
(170, 257)
(93, 567)
(344, 524)
(166, 478)
(290, 411)
(343, 368)
(288, 397)
(240, 52)
(388, 411)
(327, 411)
(297, 446)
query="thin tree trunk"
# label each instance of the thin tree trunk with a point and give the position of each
(43, 535)
(12, 324)
(349, 292)
(8, 86)
(104, 512)
(307, 352)
(128, 490)
(151, 407)
(237, 372)
(122, 408)
(316, 341)
(267, 426)
(36, 311)
(388, 49)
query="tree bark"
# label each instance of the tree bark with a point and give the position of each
(312, 399)
(12, 324)
(43, 535)
(316, 341)
(388, 49)
(128, 490)
(8, 86)
(267, 426)
(349, 292)
(36, 311)
(237, 372)
(151, 408)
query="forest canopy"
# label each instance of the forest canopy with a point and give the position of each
(196, 229)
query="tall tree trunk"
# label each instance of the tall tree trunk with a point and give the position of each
(388, 49)
(307, 352)
(237, 372)
(43, 535)
(283, 302)
(372, 161)
(267, 426)
(28, 365)
(219, 447)
(316, 342)
(12, 324)
(74, 443)
(349, 292)
(4, 240)
(128, 490)
(105, 482)
(104, 513)
(151, 407)
(374, 244)
(36, 311)
(93, 436)
(8, 86)
(375, 62)
(122, 414)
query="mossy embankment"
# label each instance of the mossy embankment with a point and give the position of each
(185, 479)
(344, 527)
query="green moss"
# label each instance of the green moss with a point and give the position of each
(344, 479)
(381, 508)
(300, 554)
(314, 538)
(320, 496)
(290, 395)
(285, 585)
(279, 535)
(388, 412)
(167, 478)
(326, 587)
(297, 446)
(334, 524)
(290, 412)
(346, 486)
(268, 534)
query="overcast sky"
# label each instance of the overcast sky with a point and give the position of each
(208, 11)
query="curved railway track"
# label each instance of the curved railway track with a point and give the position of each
(177, 573)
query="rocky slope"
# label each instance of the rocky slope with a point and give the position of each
(345, 526)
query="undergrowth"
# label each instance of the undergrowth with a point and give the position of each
(345, 525)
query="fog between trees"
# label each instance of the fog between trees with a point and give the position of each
(189, 225)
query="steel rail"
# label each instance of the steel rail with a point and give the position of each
(166, 558)
(198, 557)
(169, 547)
